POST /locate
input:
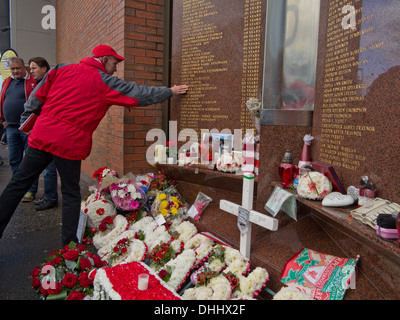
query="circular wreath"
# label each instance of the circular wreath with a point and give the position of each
(314, 185)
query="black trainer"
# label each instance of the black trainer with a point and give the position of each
(37, 202)
(46, 204)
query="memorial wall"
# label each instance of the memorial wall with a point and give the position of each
(217, 49)
(356, 117)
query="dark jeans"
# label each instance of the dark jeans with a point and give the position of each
(32, 165)
(50, 182)
(17, 143)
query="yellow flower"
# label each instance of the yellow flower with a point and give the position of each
(176, 201)
(174, 211)
(162, 196)
(164, 204)
(164, 212)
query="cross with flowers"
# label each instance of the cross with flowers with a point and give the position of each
(253, 216)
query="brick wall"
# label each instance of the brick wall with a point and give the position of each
(135, 30)
(144, 65)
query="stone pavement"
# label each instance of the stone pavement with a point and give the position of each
(29, 238)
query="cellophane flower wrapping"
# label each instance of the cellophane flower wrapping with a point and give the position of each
(169, 204)
(105, 177)
(199, 205)
(127, 195)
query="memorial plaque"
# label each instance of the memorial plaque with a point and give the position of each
(217, 49)
(356, 119)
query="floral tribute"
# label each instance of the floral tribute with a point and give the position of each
(199, 205)
(127, 195)
(229, 162)
(104, 177)
(314, 186)
(169, 205)
(64, 275)
(121, 283)
(130, 237)
(109, 228)
(228, 263)
(97, 210)
(161, 254)
(125, 248)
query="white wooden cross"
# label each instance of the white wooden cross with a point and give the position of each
(254, 216)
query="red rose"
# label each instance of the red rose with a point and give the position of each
(43, 291)
(54, 288)
(124, 250)
(35, 283)
(85, 264)
(84, 280)
(71, 255)
(36, 271)
(70, 280)
(116, 249)
(97, 262)
(100, 211)
(162, 273)
(102, 227)
(76, 295)
(57, 260)
(80, 247)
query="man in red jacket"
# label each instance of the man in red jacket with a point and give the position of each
(72, 100)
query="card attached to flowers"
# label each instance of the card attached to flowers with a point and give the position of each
(81, 226)
(281, 199)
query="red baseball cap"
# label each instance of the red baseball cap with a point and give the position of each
(104, 50)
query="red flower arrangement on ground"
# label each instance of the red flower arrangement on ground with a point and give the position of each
(65, 274)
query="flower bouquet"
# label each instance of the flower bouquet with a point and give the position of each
(199, 205)
(168, 205)
(229, 162)
(127, 195)
(314, 186)
(64, 275)
(104, 177)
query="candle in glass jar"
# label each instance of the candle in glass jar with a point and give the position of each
(143, 281)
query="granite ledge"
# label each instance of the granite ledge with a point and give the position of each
(206, 177)
(341, 217)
